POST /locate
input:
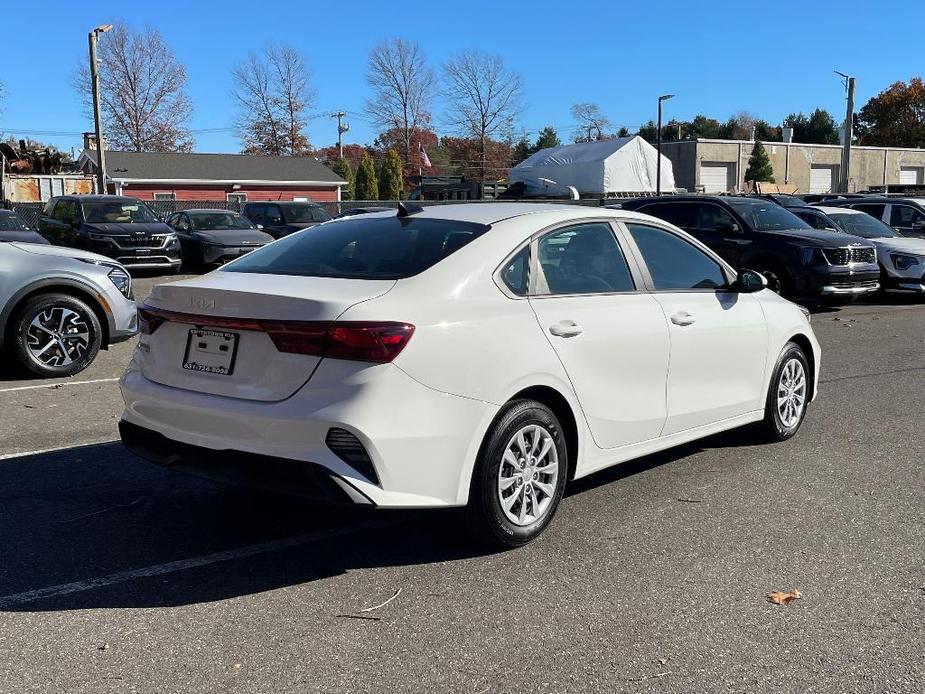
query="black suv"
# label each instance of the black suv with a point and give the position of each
(761, 235)
(906, 215)
(118, 227)
(279, 219)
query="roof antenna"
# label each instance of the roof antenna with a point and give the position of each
(406, 210)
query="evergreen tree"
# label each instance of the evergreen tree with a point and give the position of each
(759, 165)
(391, 183)
(522, 150)
(366, 186)
(343, 169)
(546, 138)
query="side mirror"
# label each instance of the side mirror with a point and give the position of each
(728, 228)
(260, 227)
(749, 281)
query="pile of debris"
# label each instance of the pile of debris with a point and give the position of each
(35, 161)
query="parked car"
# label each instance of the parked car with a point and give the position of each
(14, 228)
(797, 260)
(211, 237)
(60, 306)
(280, 219)
(468, 355)
(121, 228)
(781, 199)
(906, 215)
(353, 211)
(902, 259)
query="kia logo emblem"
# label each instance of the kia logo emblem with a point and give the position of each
(201, 303)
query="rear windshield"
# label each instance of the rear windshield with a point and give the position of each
(767, 216)
(12, 222)
(296, 214)
(362, 247)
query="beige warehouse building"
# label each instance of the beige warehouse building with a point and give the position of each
(718, 166)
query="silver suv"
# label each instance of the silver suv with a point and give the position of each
(60, 306)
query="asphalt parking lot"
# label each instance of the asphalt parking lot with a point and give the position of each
(118, 576)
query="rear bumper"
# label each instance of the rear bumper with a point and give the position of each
(293, 477)
(422, 443)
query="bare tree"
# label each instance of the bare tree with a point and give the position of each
(403, 86)
(273, 91)
(590, 119)
(143, 102)
(484, 96)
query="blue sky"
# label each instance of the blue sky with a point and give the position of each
(718, 58)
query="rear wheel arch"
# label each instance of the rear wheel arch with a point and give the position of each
(559, 405)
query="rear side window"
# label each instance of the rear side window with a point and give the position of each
(362, 248)
(905, 216)
(681, 214)
(673, 263)
(871, 209)
(584, 259)
(516, 274)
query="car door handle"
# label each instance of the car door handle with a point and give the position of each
(682, 318)
(566, 328)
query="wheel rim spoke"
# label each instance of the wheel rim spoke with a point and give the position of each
(528, 475)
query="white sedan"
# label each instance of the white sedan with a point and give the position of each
(473, 355)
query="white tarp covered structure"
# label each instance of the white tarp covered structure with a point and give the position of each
(625, 164)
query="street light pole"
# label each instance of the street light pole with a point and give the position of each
(847, 132)
(97, 120)
(658, 145)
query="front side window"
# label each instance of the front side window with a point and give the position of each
(712, 217)
(66, 211)
(362, 248)
(904, 216)
(815, 220)
(584, 259)
(871, 209)
(673, 263)
(681, 214)
(117, 212)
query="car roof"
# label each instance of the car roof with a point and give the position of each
(206, 210)
(837, 210)
(282, 202)
(489, 213)
(96, 196)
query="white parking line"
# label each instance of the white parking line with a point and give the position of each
(70, 447)
(192, 563)
(61, 383)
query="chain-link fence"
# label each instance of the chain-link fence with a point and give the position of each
(31, 212)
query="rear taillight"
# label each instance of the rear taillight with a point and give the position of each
(378, 342)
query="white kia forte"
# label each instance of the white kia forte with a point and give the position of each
(472, 355)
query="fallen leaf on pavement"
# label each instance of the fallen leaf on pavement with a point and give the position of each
(779, 597)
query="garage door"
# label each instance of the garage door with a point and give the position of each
(910, 175)
(823, 178)
(716, 177)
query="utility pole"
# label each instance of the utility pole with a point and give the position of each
(658, 145)
(341, 129)
(97, 120)
(847, 133)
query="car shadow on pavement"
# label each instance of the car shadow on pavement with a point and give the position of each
(73, 521)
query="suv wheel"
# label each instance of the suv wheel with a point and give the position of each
(56, 335)
(778, 279)
(788, 394)
(519, 477)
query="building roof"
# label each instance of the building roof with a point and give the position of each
(183, 167)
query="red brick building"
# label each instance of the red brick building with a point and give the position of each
(229, 177)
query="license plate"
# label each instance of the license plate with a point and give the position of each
(210, 351)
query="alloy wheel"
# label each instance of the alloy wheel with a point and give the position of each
(791, 393)
(58, 336)
(528, 475)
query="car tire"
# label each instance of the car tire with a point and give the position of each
(788, 394)
(48, 316)
(519, 477)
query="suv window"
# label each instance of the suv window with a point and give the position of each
(872, 209)
(362, 248)
(814, 219)
(904, 216)
(712, 217)
(66, 211)
(272, 214)
(673, 262)
(584, 259)
(256, 213)
(681, 214)
(516, 274)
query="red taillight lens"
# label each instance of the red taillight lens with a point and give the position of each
(378, 342)
(148, 321)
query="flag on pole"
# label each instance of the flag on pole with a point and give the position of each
(425, 160)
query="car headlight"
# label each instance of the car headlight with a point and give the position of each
(903, 262)
(118, 275)
(806, 313)
(101, 237)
